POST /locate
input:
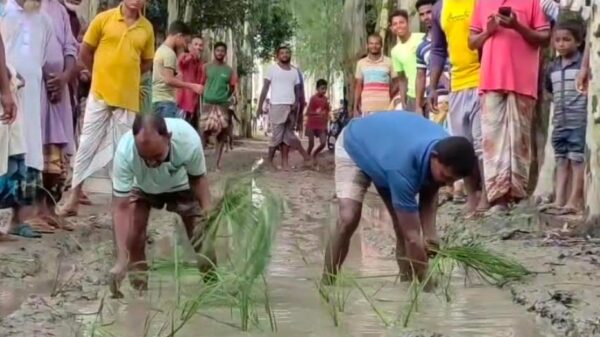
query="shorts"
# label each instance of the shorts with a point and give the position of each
(315, 132)
(183, 203)
(464, 117)
(350, 181)
(167, 109)
(569, 143)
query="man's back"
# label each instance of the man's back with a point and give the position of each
(186, 158)
(395, 141)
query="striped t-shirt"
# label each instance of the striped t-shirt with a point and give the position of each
(570, 106)
(423, 58)
(376, 76)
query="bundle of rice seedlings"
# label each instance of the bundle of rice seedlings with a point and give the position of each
(493, 268)
(246, 218)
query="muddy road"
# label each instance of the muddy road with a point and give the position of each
(56, 286)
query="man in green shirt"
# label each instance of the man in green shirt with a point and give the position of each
(219, 87)
(164, 79)
(404, 58)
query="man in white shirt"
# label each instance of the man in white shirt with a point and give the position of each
(285, 84)
(159, 163)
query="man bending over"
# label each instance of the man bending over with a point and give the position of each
(410, 158)
(159, 163)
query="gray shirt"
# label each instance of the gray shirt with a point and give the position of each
(570, 106)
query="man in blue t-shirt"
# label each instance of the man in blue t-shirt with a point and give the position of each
(410, 156)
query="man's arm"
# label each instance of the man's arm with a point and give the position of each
(534, 36)
(428, 202)
(263, 95)
(401, 87)
(195, 166)
(86, 55)
(148, 52)
(410, 226)
(167, 70)
(6, 97)
(421, 84)
(438, 55)
(200, 188)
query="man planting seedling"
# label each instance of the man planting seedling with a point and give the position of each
(408, 161)
(160, 162)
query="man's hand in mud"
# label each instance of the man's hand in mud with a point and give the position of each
(432, 245)
(9, 108)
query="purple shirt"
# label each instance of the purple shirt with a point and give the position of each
(57, 119)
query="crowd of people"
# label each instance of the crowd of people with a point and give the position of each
(154, 110)
(467, 61)
(478, 73)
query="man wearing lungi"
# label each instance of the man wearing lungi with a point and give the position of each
(284, 82)
(118, 48)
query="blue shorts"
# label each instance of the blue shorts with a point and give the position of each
(569, 143)
(167, 109)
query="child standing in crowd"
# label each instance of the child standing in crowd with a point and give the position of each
(317, 116)
(570, 119)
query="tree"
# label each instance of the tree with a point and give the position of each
(593, 129)
(271, 25)
(354, 37)
(319, 44)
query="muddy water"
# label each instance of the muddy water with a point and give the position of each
(299, 310)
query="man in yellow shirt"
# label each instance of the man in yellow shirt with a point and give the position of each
(118, 48)
(404, 57)
(450, 31)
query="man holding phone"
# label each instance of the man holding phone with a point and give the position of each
(504, 30)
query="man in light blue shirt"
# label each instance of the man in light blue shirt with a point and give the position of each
(159, 163)
(406, 157)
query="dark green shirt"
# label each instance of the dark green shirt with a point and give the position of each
(219, 80)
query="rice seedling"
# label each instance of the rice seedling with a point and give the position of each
(246, 218)
(492, 268)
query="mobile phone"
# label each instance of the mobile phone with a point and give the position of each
(505, 11)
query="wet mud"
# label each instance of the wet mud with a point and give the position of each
(56, 286)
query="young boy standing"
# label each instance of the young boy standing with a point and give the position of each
(570, 119)
(317, 116)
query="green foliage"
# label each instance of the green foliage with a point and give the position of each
(319, 42)
(271, 25)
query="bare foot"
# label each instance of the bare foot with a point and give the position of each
(548, 207)
(116, 276)
(68, 210)
(84, 200)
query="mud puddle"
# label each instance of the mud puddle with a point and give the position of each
(298, 308)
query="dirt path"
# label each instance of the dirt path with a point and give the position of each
(53, 286)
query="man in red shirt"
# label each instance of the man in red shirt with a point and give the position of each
(191, 68)
(317, 116)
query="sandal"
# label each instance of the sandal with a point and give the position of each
(25, 230)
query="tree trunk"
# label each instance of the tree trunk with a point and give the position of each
(173, 9)
(384, 20)
(593, 128)
(354, 32)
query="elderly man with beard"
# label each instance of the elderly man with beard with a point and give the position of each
(159, 163)
(26, 33)
(286, 91)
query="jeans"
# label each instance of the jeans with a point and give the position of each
(569, 143)
(167, 109)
